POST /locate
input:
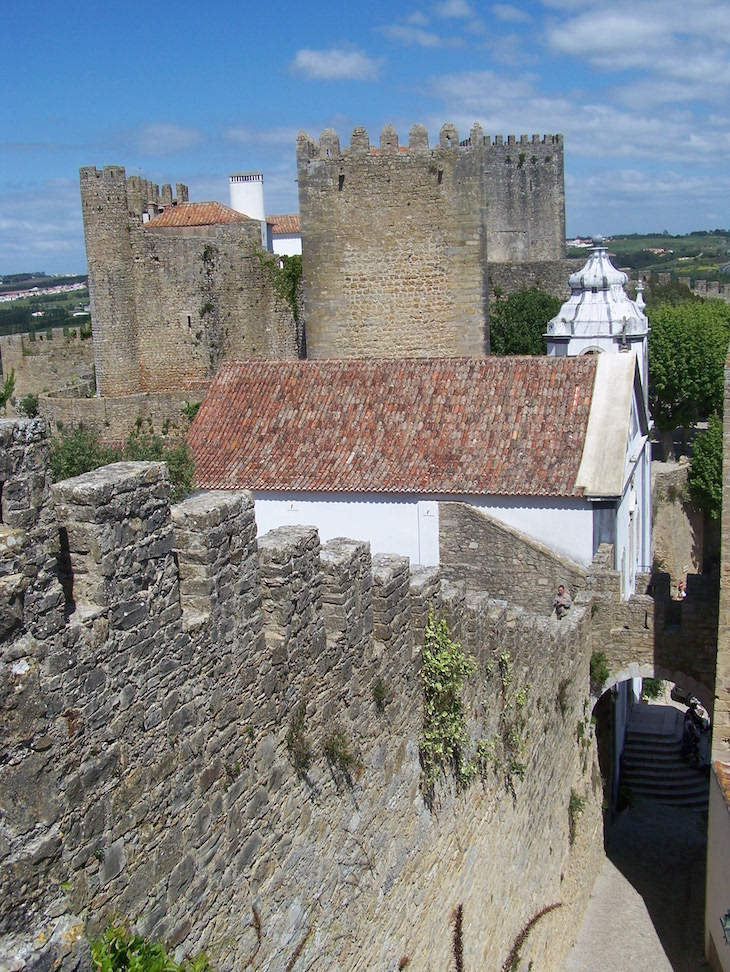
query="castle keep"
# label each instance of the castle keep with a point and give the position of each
(401, 245)
(175, 286)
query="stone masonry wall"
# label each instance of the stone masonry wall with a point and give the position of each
(218, 737)
(115, 419)
(393, 248)
(650, 634)
(551, 276)
(493, 557)
(396, 239)
(166, 303)
(42, 365)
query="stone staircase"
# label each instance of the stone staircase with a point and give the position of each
(651, 766)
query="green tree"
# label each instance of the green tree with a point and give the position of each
(78, 451)
(705, 476)
(517, 322)
(688, 344)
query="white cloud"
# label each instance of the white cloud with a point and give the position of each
(514, 15)
(454, 9)
(407, 34)
(335, 64)
(662, 40)
(164, 139)
(418, 19)
(592, 128)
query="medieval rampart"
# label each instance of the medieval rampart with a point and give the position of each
(115, 419)
(45, 364)
(219, 738)
(168, 303)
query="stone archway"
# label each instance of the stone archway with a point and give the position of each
(636, 670)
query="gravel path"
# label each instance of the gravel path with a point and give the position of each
(647, 907)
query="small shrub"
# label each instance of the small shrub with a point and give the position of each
(339, 754)
(561, 699)
(190, 410)
(297, 743)
(78, 451)
(379, 694)
(445, 667)
(600, 671)
(576, 806)
(652, 688)
(29, 405)
(118, 950)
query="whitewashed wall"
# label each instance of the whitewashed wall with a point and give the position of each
(408, 524)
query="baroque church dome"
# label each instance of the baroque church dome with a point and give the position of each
(598, 305)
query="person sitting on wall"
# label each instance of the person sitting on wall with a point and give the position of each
(681, 592)
(562, 602)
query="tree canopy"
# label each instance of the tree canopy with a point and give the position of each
(79, 450)
(517, 322)
(688, 344)
(705, 477)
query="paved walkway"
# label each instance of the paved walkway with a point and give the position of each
(647, 907)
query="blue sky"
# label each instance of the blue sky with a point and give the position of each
(190, 92)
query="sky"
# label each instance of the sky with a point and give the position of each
(190, 92)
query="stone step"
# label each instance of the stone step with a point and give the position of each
(651, 766)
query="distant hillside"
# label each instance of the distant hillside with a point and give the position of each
(699, 255)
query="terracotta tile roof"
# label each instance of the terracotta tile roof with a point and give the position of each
(284, 224)
(490, 426)
(197, 214)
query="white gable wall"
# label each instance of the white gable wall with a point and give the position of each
(408, 524)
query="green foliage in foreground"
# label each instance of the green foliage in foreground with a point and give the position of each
(79, 451)
(705, 475)
(118, 950)
(517, 322)
(445, 666)
(652, 688)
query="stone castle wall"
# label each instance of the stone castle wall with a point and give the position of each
(168, 303)
(393, 249)
(398, 240)
(42, 365)
(703, 288)
(490, 556)
(154, 663)
(115, 419)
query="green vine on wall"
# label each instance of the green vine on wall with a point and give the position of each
(444, 668)
(284, 272)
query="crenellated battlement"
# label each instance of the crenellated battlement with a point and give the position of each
(144, 198)
(329, 148)
(217, 735)
(399, 240)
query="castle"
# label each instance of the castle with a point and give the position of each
(400, 249)
(220, 732)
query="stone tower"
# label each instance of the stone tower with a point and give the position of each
(399, 242)
(111, 278)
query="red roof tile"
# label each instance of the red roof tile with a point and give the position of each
(197, 214)
(286, 224)
(490, 426)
